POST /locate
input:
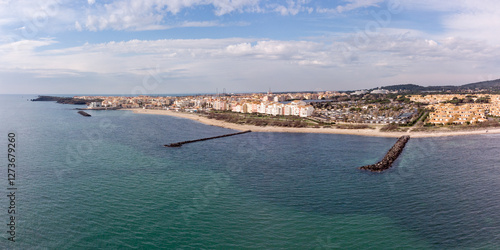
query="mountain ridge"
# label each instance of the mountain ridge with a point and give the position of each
(491, 85)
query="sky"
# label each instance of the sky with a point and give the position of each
(203, 46)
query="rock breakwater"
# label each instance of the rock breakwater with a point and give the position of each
(178, 144)
(390, 157)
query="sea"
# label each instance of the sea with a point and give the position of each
(106, 181)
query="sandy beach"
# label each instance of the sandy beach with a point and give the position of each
(361, 132)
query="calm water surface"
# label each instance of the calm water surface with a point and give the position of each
(106, 181)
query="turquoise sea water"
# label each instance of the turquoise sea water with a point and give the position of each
(106, 182)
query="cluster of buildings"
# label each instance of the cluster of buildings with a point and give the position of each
(442, 111)
(354, 112)
(271, 104)
(128, 101)
(295, 108)
(447, 113)
(467, 113)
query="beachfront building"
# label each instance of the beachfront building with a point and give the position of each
(294, 108)
(447, 113)
(306, 111)
(220, 105)
(299, 108)
(274, 108)
(236, 107)
(246, 108)
(94, 105)
(254, 106)
(261, 108)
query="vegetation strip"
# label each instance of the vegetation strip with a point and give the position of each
(178, 144)
(390, 157)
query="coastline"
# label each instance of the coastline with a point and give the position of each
(361, 132)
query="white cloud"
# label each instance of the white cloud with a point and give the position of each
(464, 49)
(108, 57)
(78, 26)
(480, 20)
(386, 57)
(291, 7)
(134, 15)
(355, 4)
(37, 18)
(463, 18)
(152, 14)
(42, 17)
(351, 5)
(292, 52)
(435, 6)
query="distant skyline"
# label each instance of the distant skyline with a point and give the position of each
(196, 46)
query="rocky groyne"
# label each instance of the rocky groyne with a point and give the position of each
(390, 157)
(83, 113)
(178, 144)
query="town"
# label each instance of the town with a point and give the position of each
(378, 106)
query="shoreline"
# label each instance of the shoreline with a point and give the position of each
(362, 132)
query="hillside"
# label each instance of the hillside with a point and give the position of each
(493, 84)
(490, 85)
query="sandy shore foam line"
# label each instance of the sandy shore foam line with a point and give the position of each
(362, 132)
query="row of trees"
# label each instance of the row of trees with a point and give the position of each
(469, 99)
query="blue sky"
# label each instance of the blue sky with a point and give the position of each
(198, 46)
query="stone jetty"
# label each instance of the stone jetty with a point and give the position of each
(83, 113)
(390, 157)
(178, 144)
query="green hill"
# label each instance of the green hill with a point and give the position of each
(493, 85)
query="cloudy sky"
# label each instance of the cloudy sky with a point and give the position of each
(198, 46)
